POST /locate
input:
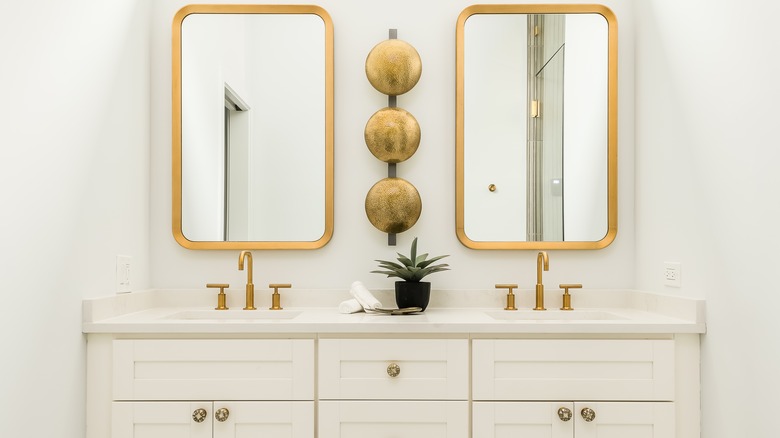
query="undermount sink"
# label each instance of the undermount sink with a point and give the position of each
(553, 315)
(207, 314)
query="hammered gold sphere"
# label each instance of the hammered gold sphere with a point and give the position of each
(393, 205)
(393, 67)
(392, 135)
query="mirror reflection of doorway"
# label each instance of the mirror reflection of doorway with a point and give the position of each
(237, 173)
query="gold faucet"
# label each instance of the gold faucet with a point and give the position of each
(542, 262)
(250, 288)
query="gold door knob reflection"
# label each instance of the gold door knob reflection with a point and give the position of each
(222, 414)
(564, 414)
(198, 415)
(588, 414)
(393, 370)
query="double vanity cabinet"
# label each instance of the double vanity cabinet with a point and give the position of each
(453, 373)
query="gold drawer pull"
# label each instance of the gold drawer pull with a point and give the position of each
(198, 415)
(393, 370)
(588, 414)
(564, 414)
(222, 415)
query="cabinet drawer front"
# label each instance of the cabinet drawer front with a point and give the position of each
(213, 369)
(391, 419)
(427, 369)
(588, 369)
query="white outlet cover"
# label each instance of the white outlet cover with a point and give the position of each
(123, 274)
(673, 274)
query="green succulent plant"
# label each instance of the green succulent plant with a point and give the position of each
(413, 268)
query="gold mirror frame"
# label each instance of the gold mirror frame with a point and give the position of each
(611, 125)
(177, 125)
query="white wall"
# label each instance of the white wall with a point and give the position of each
(74, 191)
(358, 26)
(708, 188)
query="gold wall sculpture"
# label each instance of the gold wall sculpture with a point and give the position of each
(393, 205)
(392, 134)
(393, 67)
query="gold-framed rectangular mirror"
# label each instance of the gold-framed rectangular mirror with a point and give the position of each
(536, 127)
(252, 141)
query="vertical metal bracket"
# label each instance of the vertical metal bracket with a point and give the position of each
(392, 102)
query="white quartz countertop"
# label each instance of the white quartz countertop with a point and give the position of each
(598, 312)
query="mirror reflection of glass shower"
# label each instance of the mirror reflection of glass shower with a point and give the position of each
(545, 185)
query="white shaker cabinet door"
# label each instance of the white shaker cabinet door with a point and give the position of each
(523, 419)
(161, 420)
(621, 420)
(393, 419)
(263, 419)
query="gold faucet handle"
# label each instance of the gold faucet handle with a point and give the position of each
(510, 296)
(276, 298)
(567, 296)
(221, 296)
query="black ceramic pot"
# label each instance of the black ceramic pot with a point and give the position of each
(409, 294)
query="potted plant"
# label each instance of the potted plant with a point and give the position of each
(411, 292)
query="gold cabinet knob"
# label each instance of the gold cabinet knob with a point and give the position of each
(393, 370)
(492, 187)
(199, 415)
(222, 414)
(564, 414)
(588, 414)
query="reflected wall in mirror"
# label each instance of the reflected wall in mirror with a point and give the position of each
(536, 143)
(252, 127)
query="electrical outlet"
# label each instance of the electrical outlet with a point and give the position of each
(123, 264)
(672, 274)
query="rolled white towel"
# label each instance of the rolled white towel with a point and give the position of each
(350, 306)
(363, 296)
